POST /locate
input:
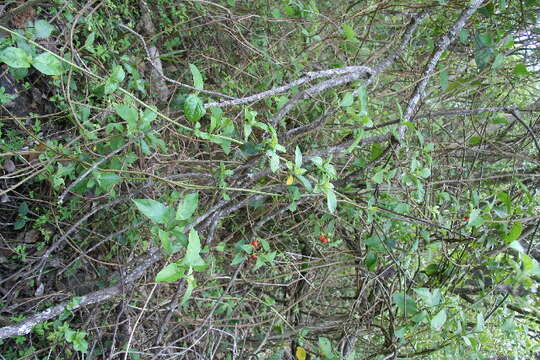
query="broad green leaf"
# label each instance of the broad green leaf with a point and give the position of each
(198, 82)
(297, 157)
(15, 57)
(170, 273)
(128, 114)
(479, 322)
(193, 108)
(438, 320)
(349, 33)
(347, 100)
(521, 70)
(274, 161)
(148, 116)
(475, 219)
(331, 201)
(326, 348)
(152, 209)
(362, 95)
(48, 64)
(475, 140)
(498, 62)
(378, 178)
(164, 239)
(113, 81)
(514, 233)
(187, 206)
(405, 303)
(43, 29)
(371, 260)
(193, 258)
(431, 298)
(443, 79)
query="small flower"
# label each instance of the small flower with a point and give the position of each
(323, 239)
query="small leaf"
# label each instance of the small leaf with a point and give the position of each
(475, 219)
(193, 257)
(475, 140)
(274, 161)
(48, 64)
(479, 322)
(191, 284)
(443, 79)
(297, 157)
(113, 81)
(331, 201)
(170, 273)
(187, 206)
(128, 114)
(326, 348)
(514, 233)
(154, 210)
(378, 177)
(198, 82)
(347, 100)
(520, 70)
(15, 57)
(300, 353)
(438, 320)
(290, 180)
(405, 303)
(193, 108)
(43, 29)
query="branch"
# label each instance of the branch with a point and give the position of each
(440, 47)
(24, 327)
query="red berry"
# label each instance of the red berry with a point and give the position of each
(253, 256)
(323, 239)
(466, 218)
(255, 243)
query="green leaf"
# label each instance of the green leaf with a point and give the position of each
(48, 64)
(347, 100)
(520, 70)
(187, 206)
(165, 241)
(297, 157)
(443, 79)
(193, 108)
(331, 201)
(371, 260)
(475, 219)
(326, 348)
(198, 82)
(113, 81)
(475, 140)
(15, 57)
(193, 258)
(170, 273)
(438, 320)
(378, 177)
(128, 114)
(498, 62)
(479, 322)
(405, 303)
(514, 233)
(349, 33)
(154, 210)
(274, 160)
(43, 29)
(191, 285)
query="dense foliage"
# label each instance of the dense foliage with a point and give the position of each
(288, 179)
